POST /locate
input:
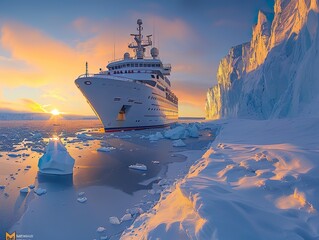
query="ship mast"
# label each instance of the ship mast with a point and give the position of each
(140, 44)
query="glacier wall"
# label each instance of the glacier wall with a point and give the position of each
(276, 74)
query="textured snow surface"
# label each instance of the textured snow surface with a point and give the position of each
(56, 159)
(276, 74)
(258, 180)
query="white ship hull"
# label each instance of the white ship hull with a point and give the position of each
(127, 105)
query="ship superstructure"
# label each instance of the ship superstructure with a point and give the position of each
(133, 92)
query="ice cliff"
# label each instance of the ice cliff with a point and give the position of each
(276, 74)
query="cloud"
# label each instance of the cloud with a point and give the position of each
(22, 105)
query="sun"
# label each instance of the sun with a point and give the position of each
(55, 112)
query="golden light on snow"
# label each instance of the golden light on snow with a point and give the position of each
(55, 112)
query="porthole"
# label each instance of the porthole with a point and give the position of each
(87, 82)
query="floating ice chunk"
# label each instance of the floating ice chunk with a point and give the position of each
(179, 143)
(37, 136)
(126, 217)
(175, 133)
(152, 191)
(56, 159)
(40, 191)
(31, 186)
(82, 199)
(81, 194)
(138, 166)
(114, 220)
(14, 155)
(105, 149)
(125, 137)
(135, 210)
(155, 137)
(2, 187)
(37, 149)
(163, 182)
(101, 229)
(193, 131)
(84, 136)
(24, 190)
(155, 162)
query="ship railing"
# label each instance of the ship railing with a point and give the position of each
(109, 76)
(131, 58)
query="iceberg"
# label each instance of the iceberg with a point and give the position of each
(56, 159)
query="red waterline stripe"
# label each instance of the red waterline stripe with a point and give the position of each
(135, 128)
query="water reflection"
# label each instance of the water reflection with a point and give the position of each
(61, 181)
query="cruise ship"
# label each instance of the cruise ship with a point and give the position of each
(134, 92)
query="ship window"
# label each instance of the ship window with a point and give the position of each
(152, 76)
(157, 77)
(136, 65)
(132, 65)
(125, 71)
(115, 67)
(141, 65)
(153, 65)
(149, 65)
(158, 65)
(145, 65)
(130, 100)
(149, 82)
(128, 65)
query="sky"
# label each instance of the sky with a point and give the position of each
(44, 46)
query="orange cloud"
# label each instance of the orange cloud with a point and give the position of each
(22, 105)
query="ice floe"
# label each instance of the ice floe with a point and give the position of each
(126, 217)
(138, 166)
(24, 190)
(105, 149)
(40, 191)
(178, 143)
(114, 220)
(82, 199)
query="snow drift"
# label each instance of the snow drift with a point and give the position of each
(276, 74)
(258, 180)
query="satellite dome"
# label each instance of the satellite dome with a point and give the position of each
(154, 52)
(126, 55)
(139, 21)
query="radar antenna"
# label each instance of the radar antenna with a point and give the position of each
(140, 44)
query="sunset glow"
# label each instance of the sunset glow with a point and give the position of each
(55, 112)
(41, 57)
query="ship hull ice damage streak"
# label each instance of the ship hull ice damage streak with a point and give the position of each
(133, 93)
